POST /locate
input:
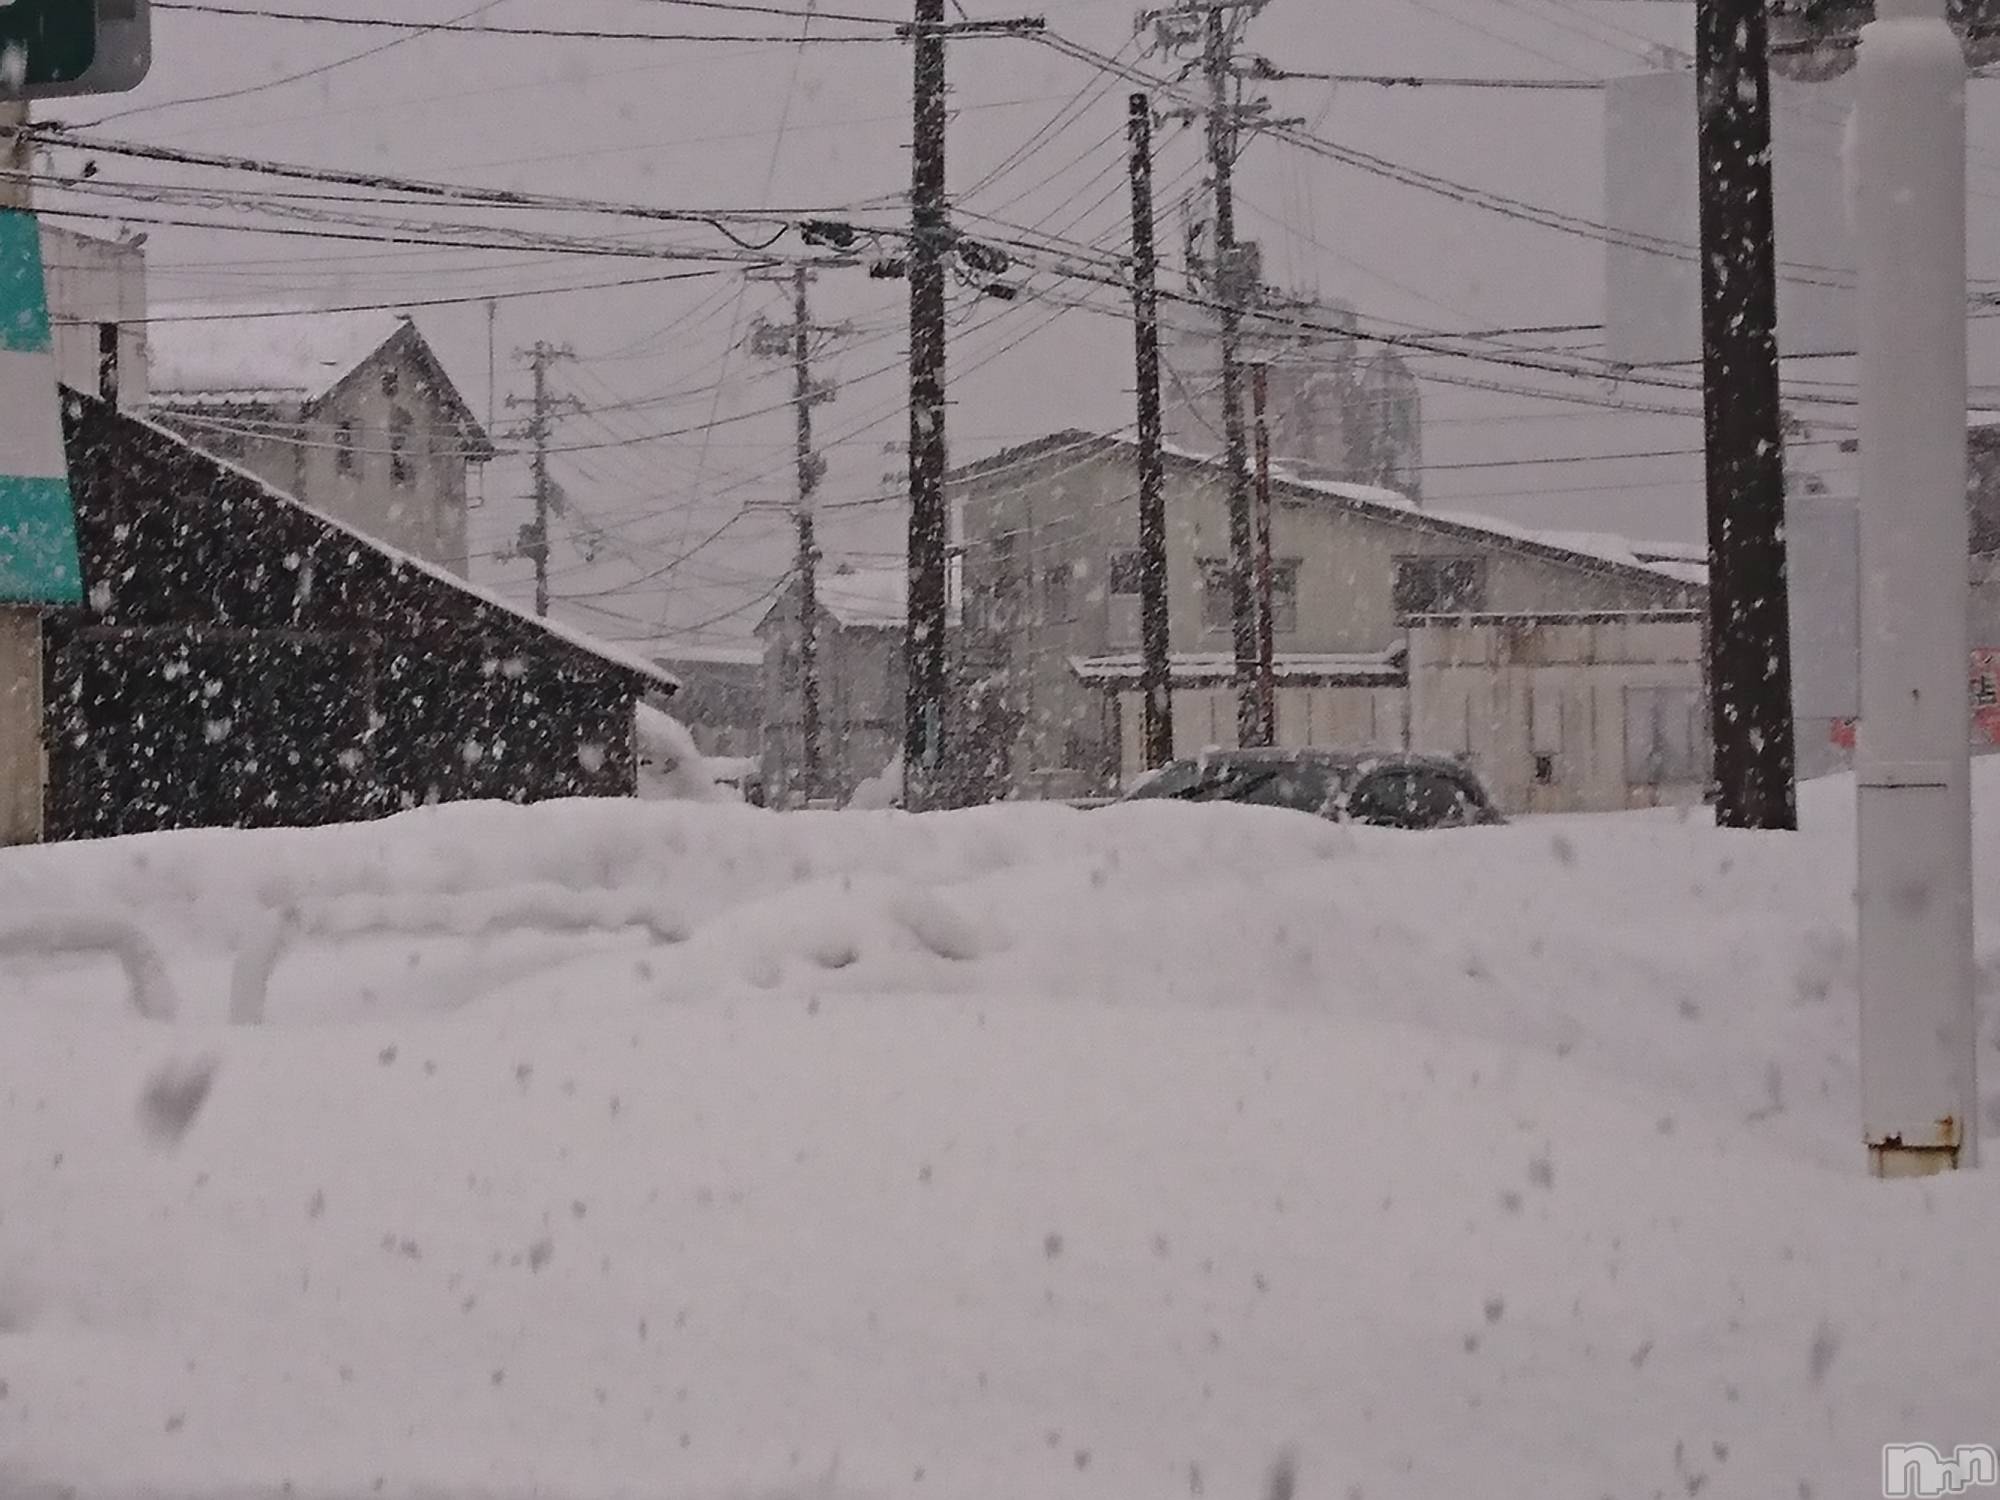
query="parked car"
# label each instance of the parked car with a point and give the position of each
(1387, 790)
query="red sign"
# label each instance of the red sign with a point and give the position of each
(1985, 687)
(1986, 697)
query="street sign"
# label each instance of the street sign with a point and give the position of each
(121, 52)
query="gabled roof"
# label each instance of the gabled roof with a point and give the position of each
(153, 457)
(1592, 551)
(264, 354)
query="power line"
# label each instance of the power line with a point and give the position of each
(468, 28)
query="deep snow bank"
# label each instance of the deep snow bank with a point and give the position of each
(600, 1149)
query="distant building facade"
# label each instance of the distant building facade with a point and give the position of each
(351, 412)
(1566, 668)
(860, 654)
(721, 699)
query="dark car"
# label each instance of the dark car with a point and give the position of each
(1382, 789)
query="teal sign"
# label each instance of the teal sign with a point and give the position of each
(38, 553)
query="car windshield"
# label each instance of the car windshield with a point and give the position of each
(1306, 785)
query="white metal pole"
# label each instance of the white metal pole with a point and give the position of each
(1919, 1091)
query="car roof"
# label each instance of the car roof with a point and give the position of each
(1346, 760)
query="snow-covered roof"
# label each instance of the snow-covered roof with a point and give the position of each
(1665, 562)
(866, 598)
(1356, 669)
(259, 352)
(750, 654)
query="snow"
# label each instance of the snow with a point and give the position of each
(259, 351)
(671, 766)
(616, 1149)
(866, 598)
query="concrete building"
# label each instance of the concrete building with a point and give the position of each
(97, 313)
(351, 412)
(1568, 668)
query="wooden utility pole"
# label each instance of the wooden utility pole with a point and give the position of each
(1217, 56)
(1750, 682)
(811, 466)
(1155, 632)
(797, 342)
(543, 407)
(1267, 665)
(923, 730)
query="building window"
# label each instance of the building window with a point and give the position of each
(1218, 607)
(1056, 602)
(343, 447)
(401, 470)
(391, 383)
(1440, 585)
(1128, 573)
(1663, 737)
(107, 362)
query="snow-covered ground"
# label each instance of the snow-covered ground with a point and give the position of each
(680, 1150)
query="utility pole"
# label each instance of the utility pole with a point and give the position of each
(1750, 681)
(1155, 631)
(544, 407)
(923, 730)
(1267, 680)
(798, 342)
(1217, 54)
(1919, 1018)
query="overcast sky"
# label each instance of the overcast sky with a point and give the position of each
(773, 123)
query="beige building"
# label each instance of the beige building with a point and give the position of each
(859, 640)
(1567, 668)
(351, 412)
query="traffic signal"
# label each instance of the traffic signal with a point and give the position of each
(60, 49)
(46, 43)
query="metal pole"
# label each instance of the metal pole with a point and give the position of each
(1155, 632)
(923, 730)
(808, 550)
(1222, 135)
(23, 760)
(1750, 638)
(1919, 1083)
(1267, 679)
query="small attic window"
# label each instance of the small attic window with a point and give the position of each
(391, 382)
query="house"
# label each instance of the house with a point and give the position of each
(243, 661)
(1567, 668)
(861, 671)
(351, 412)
